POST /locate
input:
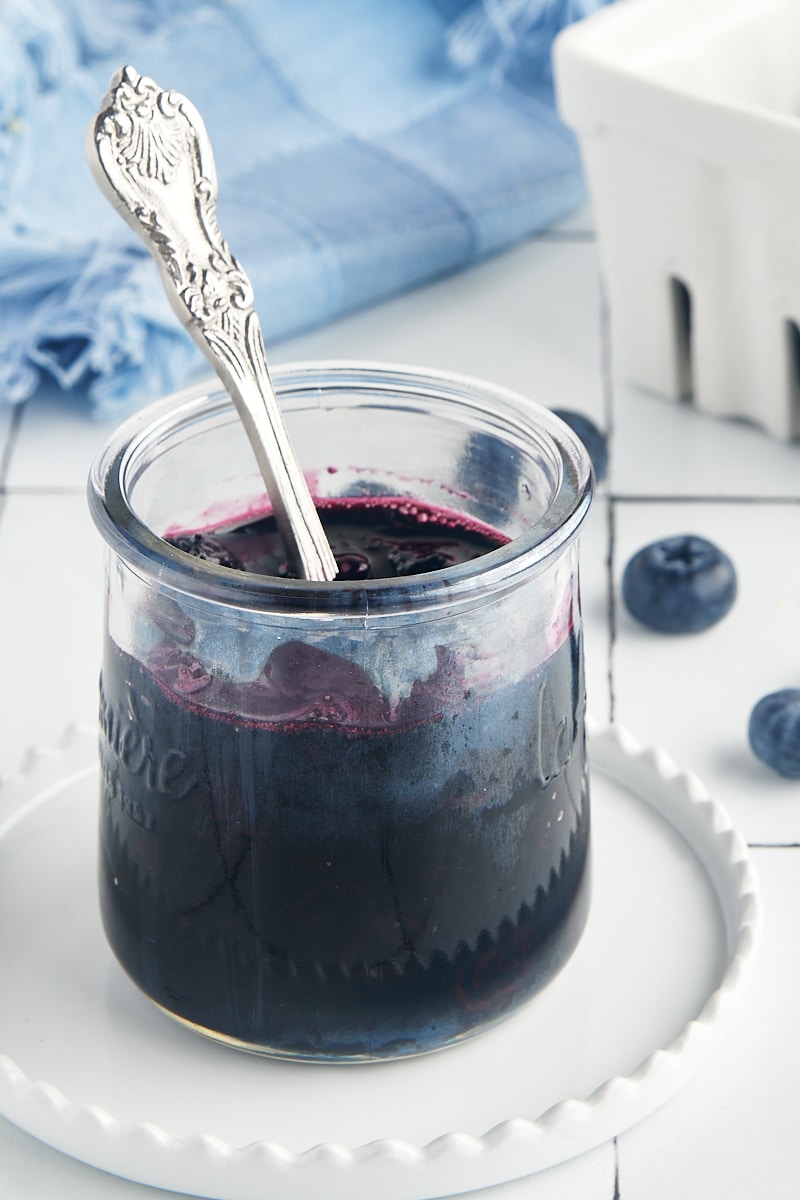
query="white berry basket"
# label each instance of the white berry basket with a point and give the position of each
(687, 117)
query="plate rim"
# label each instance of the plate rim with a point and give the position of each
(523, 1145)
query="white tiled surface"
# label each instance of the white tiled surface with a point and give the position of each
(533, 320)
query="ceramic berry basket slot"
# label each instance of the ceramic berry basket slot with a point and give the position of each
(687, 117)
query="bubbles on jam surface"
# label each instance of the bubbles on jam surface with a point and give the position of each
(372, 537)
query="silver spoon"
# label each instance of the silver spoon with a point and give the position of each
(151, 155)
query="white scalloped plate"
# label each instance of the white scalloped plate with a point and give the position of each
(90, 1066)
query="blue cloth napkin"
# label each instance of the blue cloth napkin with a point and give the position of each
(363, 147)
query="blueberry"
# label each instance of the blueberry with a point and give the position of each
(593, 439)
(774, 731)
(682, 584)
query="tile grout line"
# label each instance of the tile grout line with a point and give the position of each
(576, 236)
(606, 371)
(607, 384)
(8, 451)
(17, 414)
(773, 845)
(35, 489)
(611, 534)
(654, 498)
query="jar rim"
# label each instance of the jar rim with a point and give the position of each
(501, 568)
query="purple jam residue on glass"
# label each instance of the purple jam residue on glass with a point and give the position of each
(298, 861)
(304, 685)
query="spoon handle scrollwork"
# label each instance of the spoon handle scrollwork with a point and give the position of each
(151, 155)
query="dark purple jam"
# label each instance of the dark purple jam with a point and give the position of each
(372, 537)
(297, 862)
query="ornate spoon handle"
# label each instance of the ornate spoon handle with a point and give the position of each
(151, 155)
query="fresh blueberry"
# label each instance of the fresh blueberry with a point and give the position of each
(593, 439)
(774, 731)
(679, 585)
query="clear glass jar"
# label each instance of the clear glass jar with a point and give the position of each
(344, 821)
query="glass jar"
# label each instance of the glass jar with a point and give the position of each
(344, 821)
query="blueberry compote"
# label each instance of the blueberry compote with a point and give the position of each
(372, 537)
(299, 862)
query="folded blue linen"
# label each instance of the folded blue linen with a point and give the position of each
(363, 147)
